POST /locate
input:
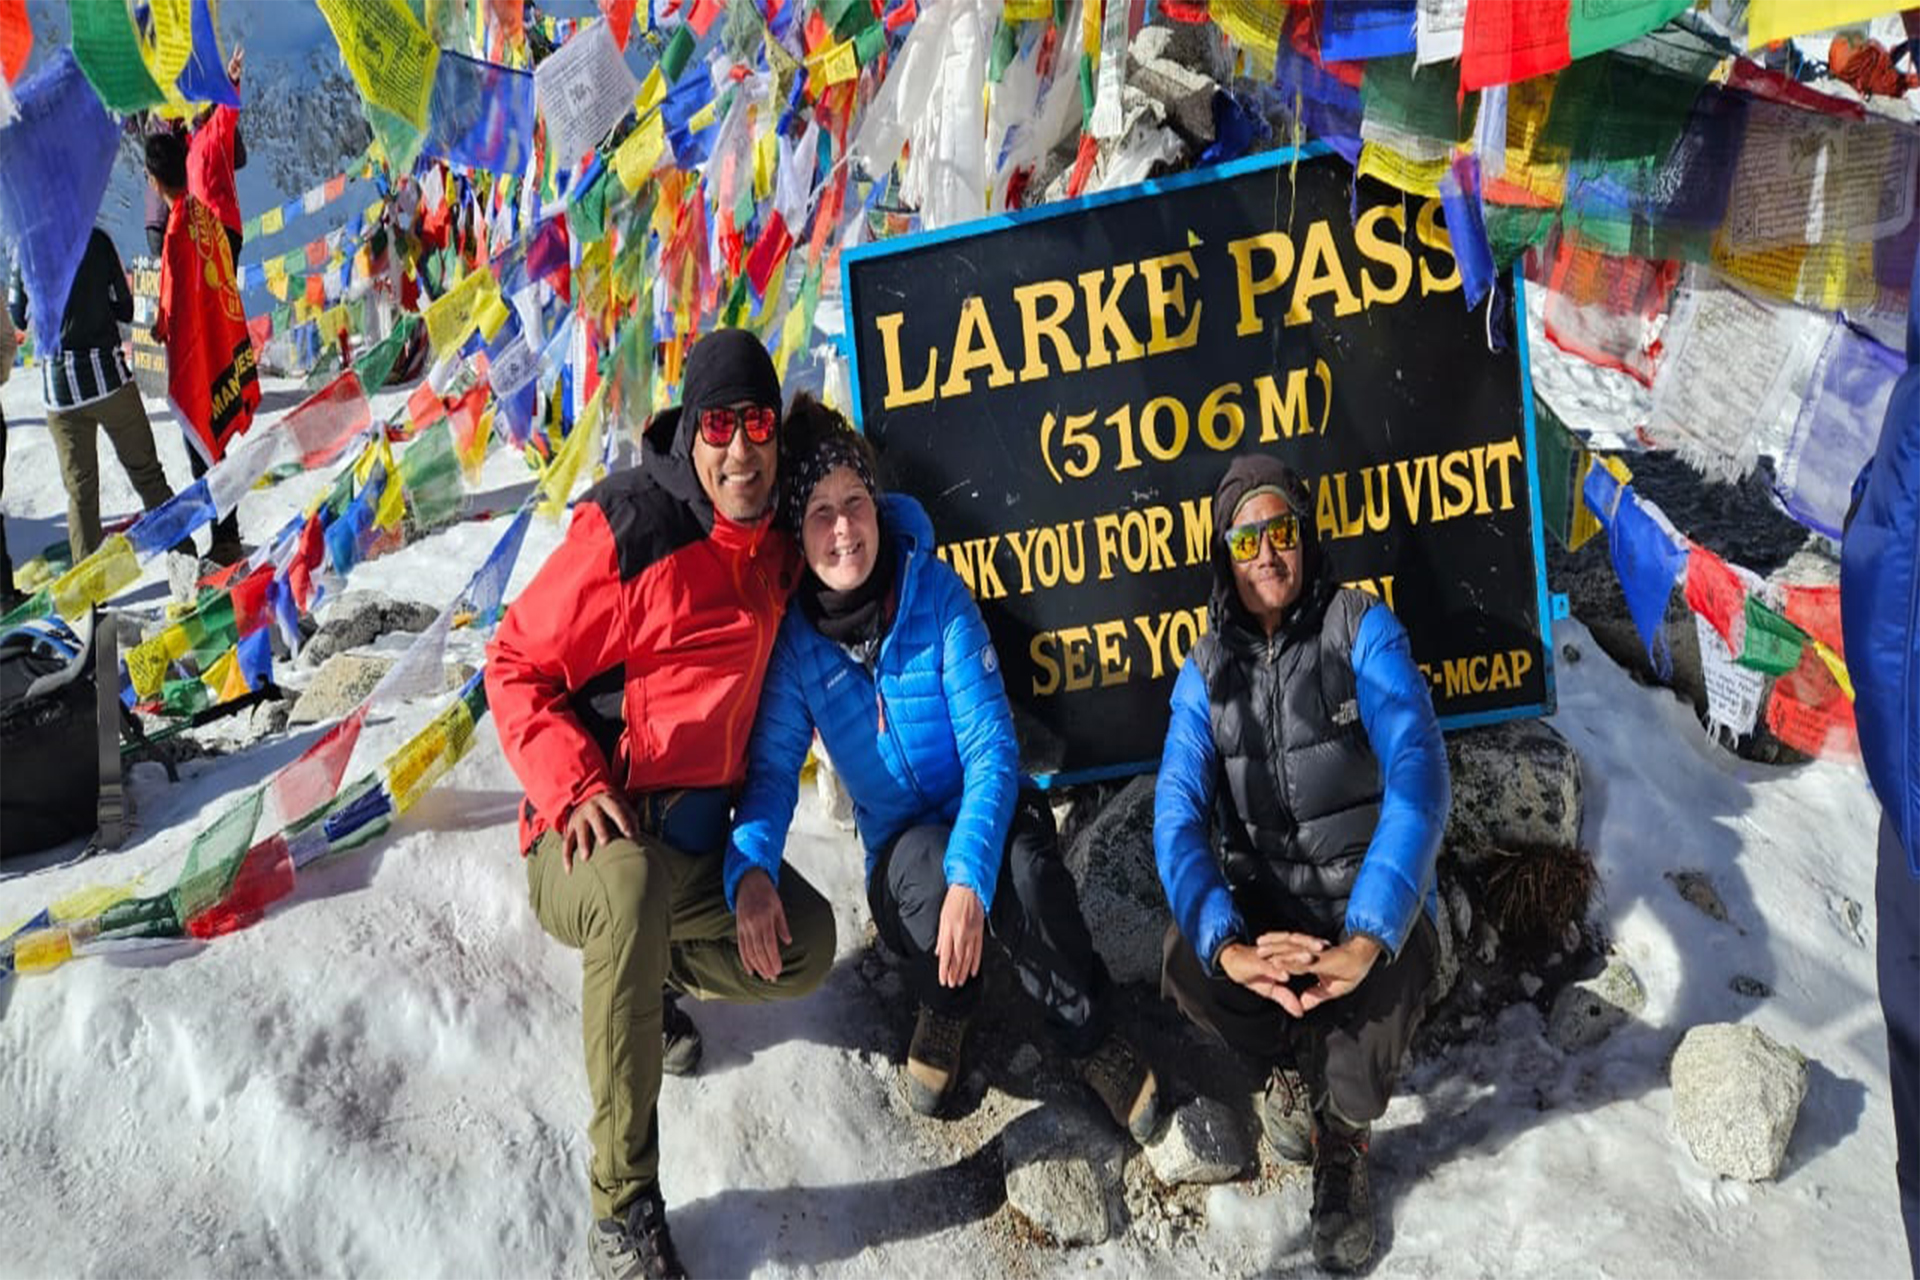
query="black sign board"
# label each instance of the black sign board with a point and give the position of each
(149, 358)
(1063, 388)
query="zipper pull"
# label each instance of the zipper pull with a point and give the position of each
(880, 709)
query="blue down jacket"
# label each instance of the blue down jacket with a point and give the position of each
(925, 738)
(1880, 605)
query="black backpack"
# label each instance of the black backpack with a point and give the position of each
(59, 737)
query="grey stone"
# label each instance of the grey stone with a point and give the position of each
(1753, 988)
(1736, 1095)
(1451, 926)
(1585, 1013)
(361, 617)
(1186, 94)
(1204, 1142)
(1697, 889)
(1060, 1166)
(1111, 861)
(347, 678)
(1516, 786)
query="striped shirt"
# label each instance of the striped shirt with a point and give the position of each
(71, 379)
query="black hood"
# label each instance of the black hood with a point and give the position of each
(667, 460)
(1248, 472)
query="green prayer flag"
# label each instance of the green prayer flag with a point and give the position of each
(679, 51)
(1561, 473)
(430, 473)
(216, 856)
(378, 362)
(1594, 28)
(1424, 102)
(1772, 645)
(868, 44)
(108, 50)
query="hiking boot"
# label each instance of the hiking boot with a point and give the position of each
(1342, 1196)
(1126, 1084)
(636, 1245)
(1286, 1121)
(933, 1059)
(680, 1044)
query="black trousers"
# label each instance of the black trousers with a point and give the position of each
(1349, 1051)
(1035, 917)
(6, 563)
(224, 530)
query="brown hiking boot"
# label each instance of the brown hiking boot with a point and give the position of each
(933, 1059)
(1342, 1196)
(1126, 1084)
(635, 1245)
(680, 1042)
(1286, 1119)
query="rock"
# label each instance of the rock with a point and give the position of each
(1753, 988)
(1204, 1142)
(1111, 861)
(1736, 1095)
(1697, 889)
(361, 617)
(1447, 933)
(834, 797)
(1186, 94)
(1516, 786)
(1058, 1173)
(347, 678)
(1585, 1013)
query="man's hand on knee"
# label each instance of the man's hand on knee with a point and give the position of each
(760, 924)
(963, 932)
(603, 817)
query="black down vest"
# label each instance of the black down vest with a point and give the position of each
(1299, 785)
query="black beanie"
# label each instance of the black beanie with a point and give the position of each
(725, 367)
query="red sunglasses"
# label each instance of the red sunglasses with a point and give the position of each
(718, 425)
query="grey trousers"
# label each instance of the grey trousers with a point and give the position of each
(124, 419)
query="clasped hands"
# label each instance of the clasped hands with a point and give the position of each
(1267, 965)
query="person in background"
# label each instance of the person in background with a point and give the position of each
(1880, 625)
(1298, 815)
(887, 656)
(89, 388)
(215, 151)
(622, 682)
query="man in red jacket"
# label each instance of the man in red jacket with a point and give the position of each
(623, 683)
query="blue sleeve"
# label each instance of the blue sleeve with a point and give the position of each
(983, 731)
(1182, 809)
(782, 733)
(1397, 712)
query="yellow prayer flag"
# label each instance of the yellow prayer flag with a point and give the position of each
(392, 507)
(1770, 20)
(452, 316)
(1416, 177)
(640, 154)
(1028, 10)
(841, 63)
(766, 155)
(147, 661)
(558, 479)
(102, 574)
(1254, 25)
(1836, 668)
(390, 54)
(41, 950)
(424, 758)
(493, 313)
(172, 43)
(84, 904)
(1586, 525)
(652, 91)
(218, 676)
(474, 454)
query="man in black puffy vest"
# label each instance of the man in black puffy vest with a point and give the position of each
(1301, 800)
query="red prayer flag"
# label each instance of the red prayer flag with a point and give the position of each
(250, 601)
(1715, 593)
(619, 19)
(1816, 611)
(16, 38)
(265, 877)
(769, 251)
(1506, 41)
(311, 781)
(425, 407)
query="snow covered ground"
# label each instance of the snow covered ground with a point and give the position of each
(384, 1078)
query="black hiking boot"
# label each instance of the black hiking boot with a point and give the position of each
(1125, 1084)
(1286, 1119)
(1342, 1196)
(636, 1245)
(680, 1043)
(933, 1059)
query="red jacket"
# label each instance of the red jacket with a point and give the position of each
(210, 166)
(635, 656)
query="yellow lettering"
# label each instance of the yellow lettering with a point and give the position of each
(1278, 245)
(1321, 272)
(1428, 231)
(1051, 326)
(1391, 254)
(1107, 636)
(974, 347)
(1196, 520)
(1074, 642)
(1047, 678)
(1159, 295)
(1505, 453)
(1104, 319)
(1456, 470)
(897, 395)
(1152, 634)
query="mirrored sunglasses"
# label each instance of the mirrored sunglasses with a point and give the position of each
(1243, 540)
(717, 425)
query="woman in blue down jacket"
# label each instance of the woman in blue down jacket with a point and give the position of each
(886, 655)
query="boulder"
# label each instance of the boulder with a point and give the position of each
(1204, 1142)
(1111, 861)
(359, 618)
(1585, 1013)
(1185, 93)
(347, 678)
(1060, 1165)
(1736, 1095)
(1516, 786)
